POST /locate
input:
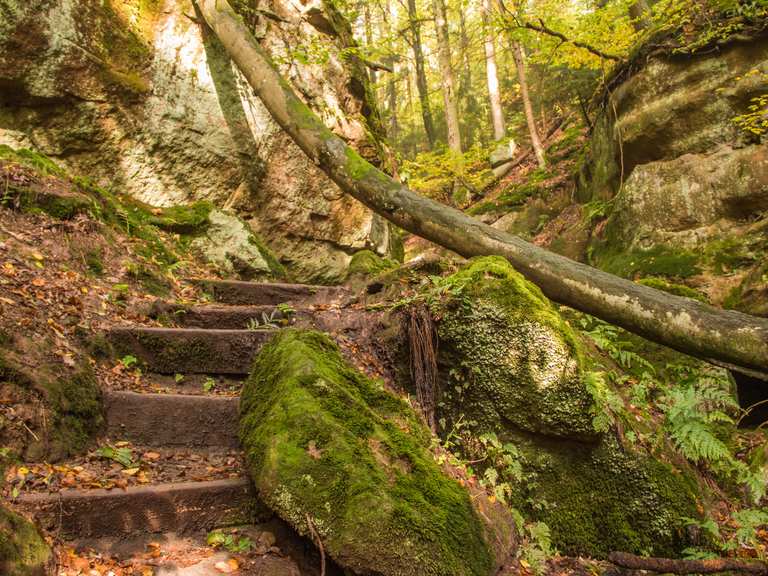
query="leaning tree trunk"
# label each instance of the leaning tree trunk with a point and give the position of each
(421, 75)
(446, 71)
(681, 323)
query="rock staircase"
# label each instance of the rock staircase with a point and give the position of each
(208, 341)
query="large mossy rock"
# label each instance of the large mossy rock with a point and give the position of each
(515, 360)
(327, 446)
(23, 551)
(510, 365)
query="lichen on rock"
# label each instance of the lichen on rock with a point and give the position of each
(330, 448)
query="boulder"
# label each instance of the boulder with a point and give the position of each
(517, 361)
(511, 366)
(230, 244)
(333, 452)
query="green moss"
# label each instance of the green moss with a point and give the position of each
(75, 403)
(149, 279)
(325, 442)
(657, 261)
(676, 289)
(598, 498)
(276, 268)
(368, 263)
(23, 551)
(39, 162)
(183, 219)
(357, 166)
(509, 356)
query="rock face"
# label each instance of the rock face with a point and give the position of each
(682, 174)
(138, 95)
(332, 451)
(510, 366)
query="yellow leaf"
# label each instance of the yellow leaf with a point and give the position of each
(130, 471)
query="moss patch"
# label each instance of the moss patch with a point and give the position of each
(368, 263)
(324, 442)
(23, 551)
(507, 355)
(597, 498)
(671, 288)
(183, 219)
(657, 261)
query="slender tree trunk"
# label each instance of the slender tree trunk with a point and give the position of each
(466, 95)
(421, 75)
(446, 71)
(369, 39)
(388, 22)
(538, 148)
(492, 74)
(681, 323)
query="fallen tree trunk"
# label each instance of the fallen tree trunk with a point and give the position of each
(727, 337)
(672, 566)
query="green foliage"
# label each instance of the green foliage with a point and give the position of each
(233, 543)
(657, 261)
(607, 403)
(537, 547)
(122, 455)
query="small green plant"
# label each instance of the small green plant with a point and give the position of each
(536, 548)
(178, 378)
(233, 543)
(208, 384)
(128, 360)
(122, 455)
(267, 322)
(607, 405)
(286, 309)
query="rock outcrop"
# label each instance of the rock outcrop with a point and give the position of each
(334, 453)
(139, 95)
(684, 177)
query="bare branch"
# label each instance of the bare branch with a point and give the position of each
(668, 565)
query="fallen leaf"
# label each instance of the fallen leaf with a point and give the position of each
(224, 567)
(130, 471)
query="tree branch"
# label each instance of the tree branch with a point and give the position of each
(632, 562)
(544, 29)
(372, 64)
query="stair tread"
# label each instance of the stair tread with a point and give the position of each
(190, 420)
(154, 465)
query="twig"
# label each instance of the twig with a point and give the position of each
(13, 235)
(316, 537)
(544, 29)
(373, 65)
(632, 562)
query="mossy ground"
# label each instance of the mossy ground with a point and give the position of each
(326, 443)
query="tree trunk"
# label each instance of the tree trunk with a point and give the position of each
(369, 39)
(469, 108)
(392, 130)
(491, 73)
(447, 80)
(639, 12)
(538, 148)
(681, 323)
(421, 75)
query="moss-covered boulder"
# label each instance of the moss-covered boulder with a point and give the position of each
(23, 551)
(368, 263)
(510, 365)
(507, 356)
(331, 450)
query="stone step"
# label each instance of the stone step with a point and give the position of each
(195, 351)
(231, 317)
(183, 507)
(172, 419)
(259, 293)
